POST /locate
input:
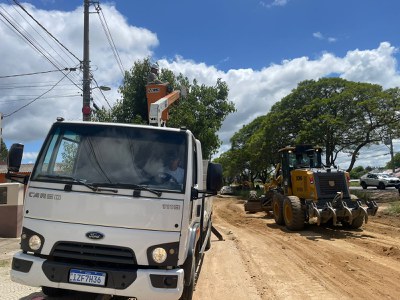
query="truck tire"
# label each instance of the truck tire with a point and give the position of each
(293, 214)
(277, 208)
(53, 292)
(363, 185)
(188, 288)
(381, 186)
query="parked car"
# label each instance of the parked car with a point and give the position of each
(226, 190)
(380, 180)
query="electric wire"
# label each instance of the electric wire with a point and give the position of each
(61, 44)
(49, 97)
(22, 107)
(35, 73)
(107, 32)
(32, 42)
(97, 85)
(37, 32)
(12, 24)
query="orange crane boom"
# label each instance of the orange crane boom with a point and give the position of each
(158, 102)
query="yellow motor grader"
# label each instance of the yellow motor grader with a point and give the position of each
(304, 191)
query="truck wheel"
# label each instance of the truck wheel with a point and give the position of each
(53, 292)
(293, 214)
(277, 208)
(363, 185)
(381, 186)
(188, 289)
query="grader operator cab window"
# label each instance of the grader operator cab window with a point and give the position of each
(310, 158)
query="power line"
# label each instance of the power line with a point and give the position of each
(110, 39)
(32, 41)
(49, 97)
(41, 26)
(36, 73)
(22, 107)
(97, 85)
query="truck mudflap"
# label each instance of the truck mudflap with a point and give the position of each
(338, 209)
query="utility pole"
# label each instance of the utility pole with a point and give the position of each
(86, 110)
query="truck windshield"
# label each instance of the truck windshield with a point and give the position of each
(113, 155)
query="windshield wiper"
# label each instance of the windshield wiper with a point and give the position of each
(93, 187)
(137, 187)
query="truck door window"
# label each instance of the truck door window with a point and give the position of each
(60, 156)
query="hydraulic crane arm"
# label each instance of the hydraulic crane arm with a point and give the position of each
(157, 108)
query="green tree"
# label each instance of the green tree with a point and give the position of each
(357, 172)
(339, 115)
(202, 110)
(245, 159)
(395, 163)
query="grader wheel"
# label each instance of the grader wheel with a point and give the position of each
(277, 208)
(292, 213)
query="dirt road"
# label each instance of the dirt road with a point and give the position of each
(260, 260)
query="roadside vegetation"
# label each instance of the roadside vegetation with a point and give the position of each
(338, 115)
(394, 208)
(4, 263)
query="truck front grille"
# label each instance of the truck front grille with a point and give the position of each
(93, 254)
(330, 183)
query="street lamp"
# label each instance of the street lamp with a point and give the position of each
(103, 88)
(86, 110)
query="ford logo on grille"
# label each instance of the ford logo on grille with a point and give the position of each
(94, 235)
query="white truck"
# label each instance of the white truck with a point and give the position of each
(101, 215)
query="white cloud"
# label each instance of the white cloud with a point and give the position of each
(32, 123)
(318, 35)
(274, 3)
(252, 91)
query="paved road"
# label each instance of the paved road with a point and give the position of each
(10, 290)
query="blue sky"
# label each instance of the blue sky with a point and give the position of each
(262, 49)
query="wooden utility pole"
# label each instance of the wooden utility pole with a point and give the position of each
(86, 110)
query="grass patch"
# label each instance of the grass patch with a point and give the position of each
(394, 208)
(5, 263)
(362, 195)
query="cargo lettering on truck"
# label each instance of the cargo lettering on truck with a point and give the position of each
(44, 196)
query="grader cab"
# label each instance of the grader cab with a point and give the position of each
(306, 192)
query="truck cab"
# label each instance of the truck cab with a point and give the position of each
(102, 214)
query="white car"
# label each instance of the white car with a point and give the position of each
(380, 180)
(226, 190)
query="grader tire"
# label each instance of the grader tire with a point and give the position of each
(277, 209)
(293, 214)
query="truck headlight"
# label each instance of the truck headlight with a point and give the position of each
(34, 242)
(159, 255)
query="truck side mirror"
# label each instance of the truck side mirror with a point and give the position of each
(214, 177)
(14, 157)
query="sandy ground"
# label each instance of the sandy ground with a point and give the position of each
(260, 260)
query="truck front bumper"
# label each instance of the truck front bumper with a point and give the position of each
(139, 283)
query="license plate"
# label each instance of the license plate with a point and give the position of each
(87, 277)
